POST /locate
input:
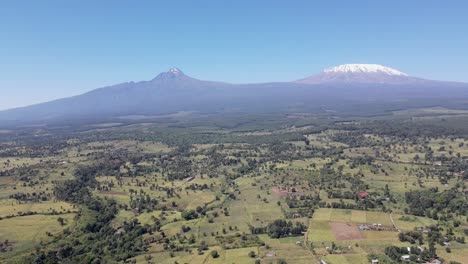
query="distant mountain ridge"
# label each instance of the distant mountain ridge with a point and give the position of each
(172, 91)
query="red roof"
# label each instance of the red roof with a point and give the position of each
(362, 194)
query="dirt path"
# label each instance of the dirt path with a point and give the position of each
(306, 235)
(393, 222)
(309, 250)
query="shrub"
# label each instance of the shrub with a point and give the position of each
(214, 254)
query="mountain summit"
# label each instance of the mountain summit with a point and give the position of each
(170, 75)
(364, 68)
(175, 71)
(359, 73)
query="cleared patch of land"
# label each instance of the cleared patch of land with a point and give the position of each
(345, 231)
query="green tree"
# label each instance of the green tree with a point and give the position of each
(214, 254)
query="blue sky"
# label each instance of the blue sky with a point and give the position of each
(53, 49)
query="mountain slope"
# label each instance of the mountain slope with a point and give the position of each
(342, 87)
(155, 95)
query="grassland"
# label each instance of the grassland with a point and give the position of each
(192, 192)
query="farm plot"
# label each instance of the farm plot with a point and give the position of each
(345, 231)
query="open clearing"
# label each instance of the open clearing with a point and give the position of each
(345, 231)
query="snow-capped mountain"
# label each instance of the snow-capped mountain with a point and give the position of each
(359, 73)
(346, 87)
(364, 68)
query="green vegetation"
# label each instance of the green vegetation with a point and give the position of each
(283, 190)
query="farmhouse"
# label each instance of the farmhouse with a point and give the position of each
(119, 231)
(189, 178)
(362, 194)
(434, 261)
(296, 215)
(423, 229)
(405, 258)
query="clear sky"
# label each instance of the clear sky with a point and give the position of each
(53, 49)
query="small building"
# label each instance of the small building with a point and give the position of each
(296, 215)
(423, 229)
(119, 231)
(189, 178)
(374, 261)
(362, 194)
(405, 258)
(434, 261)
